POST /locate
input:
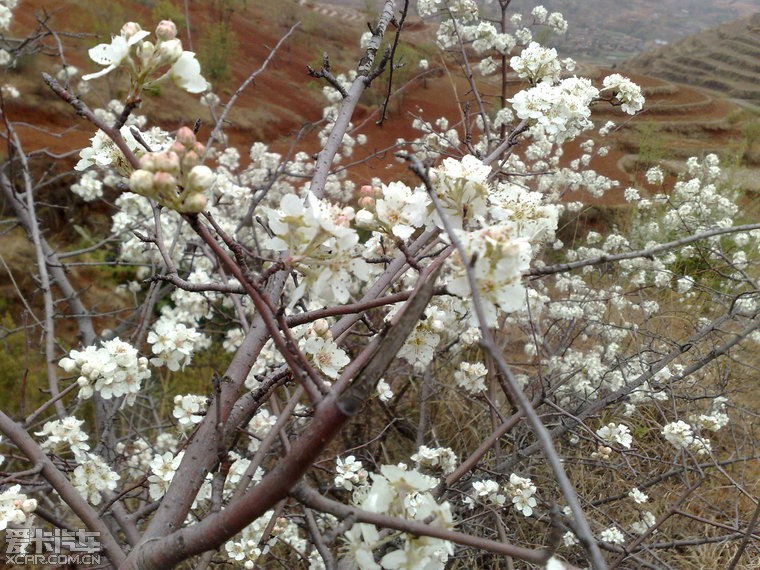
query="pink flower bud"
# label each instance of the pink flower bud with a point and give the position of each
(164, 182)
(199, 149)
(186, 137)
(178, 147)
(190, 160)
(130, 29)
(366, 202)
(167, 161)
(366, 190)
(148, 161)
(200, 178)
(141, 182)
(166, 30)
(194, 203)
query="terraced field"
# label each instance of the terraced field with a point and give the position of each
(724, 59)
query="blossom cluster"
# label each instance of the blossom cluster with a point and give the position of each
(189, 409)
(616, 434)
(500, 261)
(522, 490)
(173, 343)
(65, 435)
(114, 369)
(471, 376)
(264, 533)
(405, 493)
(349, 473)
(162, 468)
(94, 478)
(319, 346)
(16, 508)
(174, 177)
(681, 436)
(435, 458)
(320, 243)
(6, 13)
(149, 63)
(519, 490)
(462, 188)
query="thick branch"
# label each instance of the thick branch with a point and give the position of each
(330, 415)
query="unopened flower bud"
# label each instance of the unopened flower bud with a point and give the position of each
(364, 218)
(200, 178)
(190, 160)
(141, 182)
(186, 137)
(130, 29)
(164, 182)
(148, 161)
(178, 147)
(194, 203)
(167, 162)
(367, 202)
(145, 52)
(199, 149)
(169, 51)
(366, 190)
(166, 30)
(321, 327)
(29, 505)
(281, 525)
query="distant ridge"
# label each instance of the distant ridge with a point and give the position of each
(725, 59)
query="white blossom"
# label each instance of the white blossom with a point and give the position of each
(618, 434)
(189, 409)
(93, 477)
(349, 472)
(522, 491)
(442, 458)
(15, 507)
(471, 376)
(638, 497)
(64, 435)
(114, 369)
(625, 91)
(613, 535)
(384, 391)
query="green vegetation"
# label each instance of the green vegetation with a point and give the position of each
(166, 10)
(652, 144)
(219, 42)
(103, 18)
(218, 46)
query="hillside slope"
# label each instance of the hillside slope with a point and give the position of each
(678, 121)
(725, 59)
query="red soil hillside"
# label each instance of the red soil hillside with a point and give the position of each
(284, 98)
